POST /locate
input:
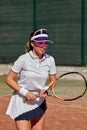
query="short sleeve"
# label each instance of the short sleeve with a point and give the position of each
(52, 66)
(18, 65)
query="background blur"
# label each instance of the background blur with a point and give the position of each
(65, 20)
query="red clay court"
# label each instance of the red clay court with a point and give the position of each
(60, 115)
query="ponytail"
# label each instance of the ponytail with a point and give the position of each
(28, 44)
(28, 47)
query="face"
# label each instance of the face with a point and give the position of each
(39, 48)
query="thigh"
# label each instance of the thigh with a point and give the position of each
(23, 125)
(38, 124)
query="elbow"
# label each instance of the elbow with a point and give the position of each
(7, 80)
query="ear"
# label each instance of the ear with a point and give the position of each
(32, 44)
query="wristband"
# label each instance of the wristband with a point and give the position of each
(46, 87)
(23, 91)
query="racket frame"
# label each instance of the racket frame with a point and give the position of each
(71, 99)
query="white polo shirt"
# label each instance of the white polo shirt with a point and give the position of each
(33, 76)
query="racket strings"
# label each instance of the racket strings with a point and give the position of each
(70, 86)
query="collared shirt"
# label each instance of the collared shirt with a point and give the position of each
(34, 73)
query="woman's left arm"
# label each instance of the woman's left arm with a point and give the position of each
(51, 83)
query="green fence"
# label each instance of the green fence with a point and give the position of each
(65, 20)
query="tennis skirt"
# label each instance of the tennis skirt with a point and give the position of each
(33, 114)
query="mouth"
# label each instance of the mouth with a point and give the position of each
(43, 49)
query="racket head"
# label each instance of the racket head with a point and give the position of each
(70, 86)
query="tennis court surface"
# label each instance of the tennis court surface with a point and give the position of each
(60, 115)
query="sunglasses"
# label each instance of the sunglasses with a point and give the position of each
(41, 44)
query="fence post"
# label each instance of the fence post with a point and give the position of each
(34, 15)
(83, 32)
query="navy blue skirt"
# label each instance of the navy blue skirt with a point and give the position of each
(33, 114)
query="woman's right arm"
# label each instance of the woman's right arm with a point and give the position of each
(10, 80)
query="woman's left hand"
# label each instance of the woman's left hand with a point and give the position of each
(43, 93)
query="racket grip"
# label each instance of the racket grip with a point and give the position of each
(37, 95)
(25, 99)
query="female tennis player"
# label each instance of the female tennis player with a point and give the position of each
(34, 69)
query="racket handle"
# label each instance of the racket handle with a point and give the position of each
(25, 99)
(37, 95)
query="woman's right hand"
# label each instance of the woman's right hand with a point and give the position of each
(30, 96)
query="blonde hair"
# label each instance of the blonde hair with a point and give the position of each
(28, 44)
(28, 47)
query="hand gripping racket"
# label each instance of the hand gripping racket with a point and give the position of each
(69, 86)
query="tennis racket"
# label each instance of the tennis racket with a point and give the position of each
(69, 86)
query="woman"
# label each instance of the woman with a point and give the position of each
(34, 69)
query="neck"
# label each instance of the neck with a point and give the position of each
(38, 55)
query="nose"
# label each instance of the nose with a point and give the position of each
(45, 46)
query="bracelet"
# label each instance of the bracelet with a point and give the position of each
(23, 91)
(46, 87)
